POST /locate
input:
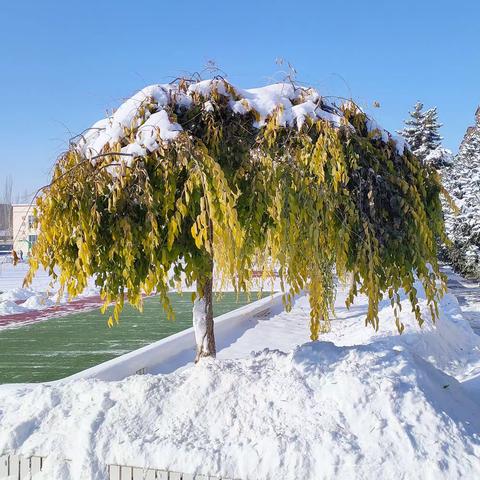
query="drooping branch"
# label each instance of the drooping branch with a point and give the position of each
(282, 177)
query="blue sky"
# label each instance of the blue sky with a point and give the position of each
(65, 63)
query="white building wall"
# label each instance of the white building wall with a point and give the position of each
(24, 233)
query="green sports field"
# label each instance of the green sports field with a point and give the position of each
(55, 348)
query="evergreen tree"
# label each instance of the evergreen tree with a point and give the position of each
(439, 158)
(413, 131)
(422, 134)
(462, 180)
(432, 139)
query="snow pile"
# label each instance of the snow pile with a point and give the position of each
(320, 411)
(38, 301)
(20, 300)
(359, 404)
(146, 113)
(449, 343)
(8, 307)
(17, 293)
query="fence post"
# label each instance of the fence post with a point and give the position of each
(4, 466)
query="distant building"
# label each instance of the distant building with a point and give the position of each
(6, 231)
(24, 231)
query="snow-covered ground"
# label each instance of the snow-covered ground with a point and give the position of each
(11, 277)
(359, 404)
(43, 293)
(468, 295)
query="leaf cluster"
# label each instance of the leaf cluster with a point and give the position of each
(312, 203)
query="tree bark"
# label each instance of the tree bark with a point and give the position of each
(203, 306)
(203, 319)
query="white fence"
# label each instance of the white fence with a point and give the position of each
(17, 467)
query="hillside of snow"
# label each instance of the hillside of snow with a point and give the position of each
(358, 404)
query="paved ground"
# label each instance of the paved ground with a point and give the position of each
(468, 295)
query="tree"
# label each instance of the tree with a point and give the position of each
(202, 181)
(422, 133)
(439, 158)
(432, 138)
(413, 132)
(462, 179)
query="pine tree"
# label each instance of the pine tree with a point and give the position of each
(413, 132)
(462, 180)
(422, 134)
(432, 138)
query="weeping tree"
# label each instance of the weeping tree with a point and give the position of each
(199, 181)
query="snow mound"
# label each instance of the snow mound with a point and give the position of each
(17, 294)
(449, 344)
(320, 411)
(38, 301)
(8, 308)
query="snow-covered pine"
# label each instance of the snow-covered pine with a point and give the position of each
(431, 128)
(421, 131)
(195, 174)
(413, 130)
(439, 158)
(462, 180)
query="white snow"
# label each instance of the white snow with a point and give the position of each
(146, 114)
(41, 294)
(38, 301)
(200, 323)
(440, 157)
(401, 144)
(157, 123)
(359, 404)
(318, 412)
(17, 293)
(374, 127)
(9, 307)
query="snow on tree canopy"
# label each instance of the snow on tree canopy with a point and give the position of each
(196, 175)
(149, 113)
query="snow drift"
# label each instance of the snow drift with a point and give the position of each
(320, 411)
(370, 405)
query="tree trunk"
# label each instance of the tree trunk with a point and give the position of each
(203, 320)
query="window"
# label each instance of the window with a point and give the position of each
(31, 240)
(31, 221)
